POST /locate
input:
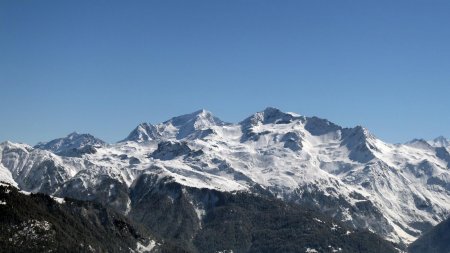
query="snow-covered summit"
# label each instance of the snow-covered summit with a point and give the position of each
(188, 126)
(440, 141)
(71, 142)
(193, 125)
(270, 115)
(143, 132)
(419, 143)
(199, 119)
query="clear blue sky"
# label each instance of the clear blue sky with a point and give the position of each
(102, 67)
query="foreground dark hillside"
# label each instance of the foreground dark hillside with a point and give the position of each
(177, 219)
(435, 241)
(204, 220)
(38, 223)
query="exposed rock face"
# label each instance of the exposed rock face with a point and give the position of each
(169, 150)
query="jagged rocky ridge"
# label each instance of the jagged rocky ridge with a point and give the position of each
(395, 190)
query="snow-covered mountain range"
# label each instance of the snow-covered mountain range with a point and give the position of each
(395, 190)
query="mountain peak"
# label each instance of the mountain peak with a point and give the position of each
(199, 115)
(419, 143)
(440, 141)
(440, 138)
(196, 124)
(271, 109)
(364, 133)
(75, 135)
(318, 126)
(270, 115)
(202, 112)
(143, 132)
(11, 144)
(193, 123)
(360, 142)
(72, 141)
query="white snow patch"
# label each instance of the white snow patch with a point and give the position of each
(140, 248)
(406, 237)
(200, 212)
(316, 219)
(59, 200)
(25, 192)
(128, 209)
(6, 176)
(333, 249)
(334, 227)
